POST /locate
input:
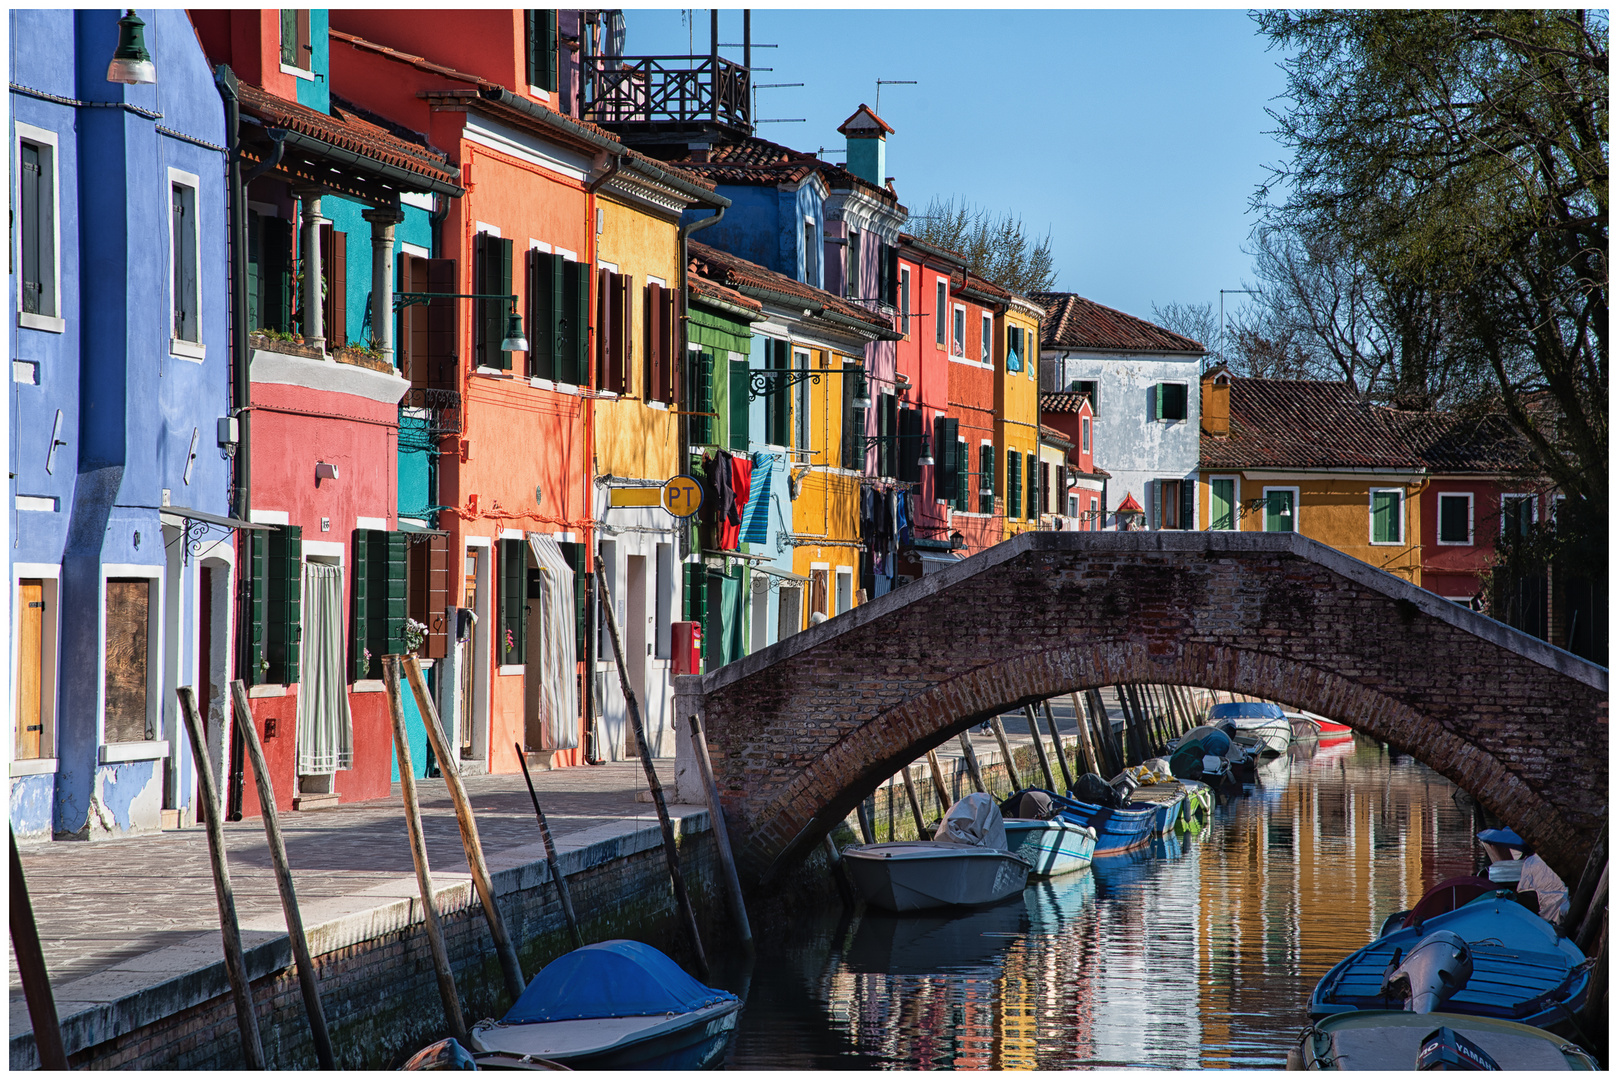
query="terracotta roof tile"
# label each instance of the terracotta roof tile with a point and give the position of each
(758, 161)
(1450, 443)
(1076, 323)
(739, 274)
(705, 287)
(347, 129)
(1301, 424)
(1061, 401)
(870, 122)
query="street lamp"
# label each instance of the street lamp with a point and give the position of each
(862, 393)
(514, 340)
(926, 457)
(131, 63)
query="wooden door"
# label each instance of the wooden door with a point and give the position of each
(127, 659)
(30, 667)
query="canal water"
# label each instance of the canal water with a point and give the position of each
(1200, 952)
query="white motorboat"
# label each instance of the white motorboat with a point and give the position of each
(1259, 721)
(967, 864)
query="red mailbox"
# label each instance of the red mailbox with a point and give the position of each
(687, 640)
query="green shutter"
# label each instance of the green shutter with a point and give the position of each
(1155, 398)
(910, 445)
(258, 562)
(963, 475)
(1222, 504)
(1279, 513)
(702, 404)
(283, 607)
(360, 608)
(1013, 484)
(1385, 517)
(578, 557)
(696, 593)
(576, 339)
(394, 570)
(738, 405)
(275, 252)
(513, 597)
(986, 479)
(944, 448)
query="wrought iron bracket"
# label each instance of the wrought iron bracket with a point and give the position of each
(759, 379)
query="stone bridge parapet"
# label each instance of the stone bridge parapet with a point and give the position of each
(801, 731)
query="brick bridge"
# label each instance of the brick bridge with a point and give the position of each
(801, 731)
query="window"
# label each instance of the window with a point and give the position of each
(1516, 514)
(851, 269)
(1073, 506)
(428, 335)
(1455, 518)
(958, 341)
(1167, 496)
(296, 50)
(37, 231)
(1387, 515)
(511, 644)
(909, 464)
(941, 312)
(699, 403)
(541, 49)
(845, 589)
(1084, 434)
(904, 300)
(660, 320)
(986, 479)
(853, 420)
(818, 582)
(740, 374)
(275, 569)
(1013, 484)
(186, 294)
(951, 460)
(1169, 401)
(809, 250)
(1014, 348)
(129, 716)
(777, 396)
(1280, 509)
(1089, 388)
(986, 344)
(558, 319)
(1045, 488)
(800, 413)
(613, 360)
(491, 273)
(962, 475)
(380, 603)
(1095, 514)
(889, 292)
(427, 591)
(1222, 503)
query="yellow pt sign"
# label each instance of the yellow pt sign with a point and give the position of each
(682, 496)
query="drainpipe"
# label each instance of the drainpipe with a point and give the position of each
(682, 348)
(241, 395)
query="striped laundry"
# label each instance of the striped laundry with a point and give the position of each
(756, 516)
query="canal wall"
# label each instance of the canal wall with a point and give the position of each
(172, 1008)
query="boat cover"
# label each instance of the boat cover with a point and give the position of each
(974, 820)
(612, 978)
(1245, 710)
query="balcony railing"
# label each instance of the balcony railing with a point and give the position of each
(443, 409)
(668, 90)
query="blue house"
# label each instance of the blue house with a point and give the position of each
(122, 568)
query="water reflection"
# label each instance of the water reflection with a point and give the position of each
(1199, 952)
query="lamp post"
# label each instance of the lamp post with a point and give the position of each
(131, 63)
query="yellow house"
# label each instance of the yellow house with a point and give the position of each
(1016, 408)
(1292, 455)
(826, 513)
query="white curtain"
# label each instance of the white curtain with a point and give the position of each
(558, 666)
(325, 727)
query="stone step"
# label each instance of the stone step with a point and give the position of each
(312, 800)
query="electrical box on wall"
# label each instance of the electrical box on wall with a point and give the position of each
(686, 638)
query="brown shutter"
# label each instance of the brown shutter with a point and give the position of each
(434, 591)
(622, 342)
(652, 323)
(603, 314)
(334, 266)
(428, 330)
(669, 344)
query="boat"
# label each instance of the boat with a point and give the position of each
(1387, 1040)
(1520, 968)
(1036, 833)
(613, 1005)
(1259, 721)
(1316, 723)
(961, 940)
(1168, 802)
(448, 1055)
(1199, 804)
(1118, 829)
(1447, 895)
(967, 863)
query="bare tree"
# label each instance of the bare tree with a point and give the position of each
(996, 248)
(1195, 321)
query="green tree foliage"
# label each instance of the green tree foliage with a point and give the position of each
(1458, 160)
(996, 248)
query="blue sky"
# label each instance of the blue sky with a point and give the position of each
(1136, 137)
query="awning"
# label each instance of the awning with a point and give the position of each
(784, 575)
(180, 514)
(934, 561)
(412, 527)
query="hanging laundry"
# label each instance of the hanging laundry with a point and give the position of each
(741, 482)
(756, 517)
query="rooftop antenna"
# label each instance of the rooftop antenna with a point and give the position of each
(880, 83)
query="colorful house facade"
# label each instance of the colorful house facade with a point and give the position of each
(122, 566)
(1085, 496)
(1142, 383)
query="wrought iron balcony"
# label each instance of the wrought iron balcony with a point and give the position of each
(443, 409)
(669, 91)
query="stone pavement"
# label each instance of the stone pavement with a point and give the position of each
(117, 916)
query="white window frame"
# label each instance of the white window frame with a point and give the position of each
(1370, 524)
(802, 413)
(982, 476)
(187, 348)
(843, 574)
(1158, 403)
(54, 324)
(941, 312)
(957, 331)
(1235, 503)
(50, 648)
(904, 299)
(1297, 511)
(811, 245)
(1471, 521)
(1528, 497)
(146, 749)
(307, 73)
(986, 347)
(1084, 435)
(1094, 522)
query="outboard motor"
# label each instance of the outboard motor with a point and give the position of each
(1437, 967)
(1091, 789)
(1444, 1050)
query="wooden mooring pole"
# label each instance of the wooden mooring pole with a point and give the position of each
(632, 706)
(229, 928)
(937, 771)
(550, 854)
(915, 804)
(307, 983)
(1005, 748)
(1081, 716)
(36, 985)
(972, 764)
(1039, 747)
(447, 992)
(449, 765)
(1056, 742)
(721, 834)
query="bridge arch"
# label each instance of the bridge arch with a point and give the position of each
(801, 731)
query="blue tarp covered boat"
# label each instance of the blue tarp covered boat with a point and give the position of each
(1520, 968)
(1117, 830)
(613, 1005)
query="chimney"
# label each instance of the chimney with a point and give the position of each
(867, 145)
(1216, 401)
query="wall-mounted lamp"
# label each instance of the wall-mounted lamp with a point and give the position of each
(862, 393)
(956, 541)
(131, 63)
(514, 341)
(926, 457)
(324, 470)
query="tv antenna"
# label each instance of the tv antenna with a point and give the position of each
(880, 83)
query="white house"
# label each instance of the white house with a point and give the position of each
(1143, 384)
